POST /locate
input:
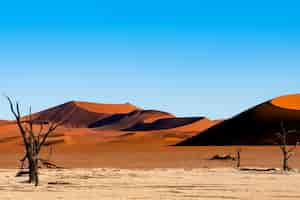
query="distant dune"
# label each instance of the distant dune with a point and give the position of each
(256, 126)
(167, 131)
(82, 114)
(126, 120)
(123, 135)
(89, 124)
(167, 123)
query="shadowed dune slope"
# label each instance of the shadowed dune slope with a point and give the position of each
(256, 126)
(81, 114)
(124, 121)
(167, 123)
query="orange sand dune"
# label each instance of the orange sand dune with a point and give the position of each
(108, 126)
(256, 126)
(165, 137)
(124, 121)
(81, 114)
(77, 146)
(114, 117)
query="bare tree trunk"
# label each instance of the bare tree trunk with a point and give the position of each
(283, 142)
(31, 168)
(238, 159)
(285, 160)
(33, 140)
(32, 164)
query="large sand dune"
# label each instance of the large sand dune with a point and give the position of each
(256, 126)
(92, 129)
(81, 114)
(111, 117)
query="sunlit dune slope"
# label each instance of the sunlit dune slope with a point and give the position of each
(288, 102)
(105, 108)
(199, 125)
(256, 126)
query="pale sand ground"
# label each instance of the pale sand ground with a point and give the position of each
(108, 184)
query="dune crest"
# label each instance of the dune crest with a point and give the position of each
(105, 108)
(288, 102)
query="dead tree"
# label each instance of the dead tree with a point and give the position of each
(238, 157)
(33, 140)
(287, 153)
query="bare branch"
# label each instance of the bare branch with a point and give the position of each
(40, 132)
(17, 116)
(12, 107)
(283, 142)
(51, 129)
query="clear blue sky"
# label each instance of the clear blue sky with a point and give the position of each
(191, 58)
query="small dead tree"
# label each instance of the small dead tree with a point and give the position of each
(287, 153)
(238, 157)
(33, 140)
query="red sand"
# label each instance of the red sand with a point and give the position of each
(83, 147)
(86, 148)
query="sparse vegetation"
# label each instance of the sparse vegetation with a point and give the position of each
(33, 140)
(238, 157)
(222, 157)
(287, 153)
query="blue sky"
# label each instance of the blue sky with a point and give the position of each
(213, 58)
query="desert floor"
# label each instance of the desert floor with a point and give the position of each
(126, 156)
(181, 184)
(119, 166)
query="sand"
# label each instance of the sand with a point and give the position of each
(288, 102)
(114, 164)
(156, 184)
(88, 148)
(105, 108)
